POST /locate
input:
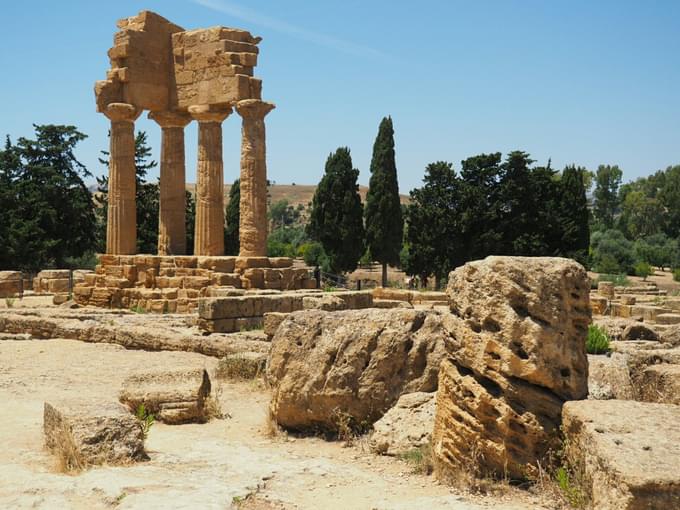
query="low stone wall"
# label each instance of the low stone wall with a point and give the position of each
(11, 284)
(644, 303)
(233, 313)
(173, 284)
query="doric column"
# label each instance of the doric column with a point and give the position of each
(172, 239)
(121, 226)
(209, 228)
(253, 185)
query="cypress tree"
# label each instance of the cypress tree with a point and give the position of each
(384, 222)
(574, 214)
(232, 219)
(336, 220)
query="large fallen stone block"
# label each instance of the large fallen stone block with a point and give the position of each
(173, 397)
(83, 434)
(11, 284)
(405, 427)
(626, 454)
(660, 383)
(351, 364)
(520, 354)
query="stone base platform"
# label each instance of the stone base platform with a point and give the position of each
(173, 284)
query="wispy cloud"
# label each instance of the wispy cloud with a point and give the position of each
(262, 20)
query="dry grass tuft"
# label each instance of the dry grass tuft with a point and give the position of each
(420, 460)
(69, 460)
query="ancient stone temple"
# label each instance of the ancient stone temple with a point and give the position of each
(180, 76)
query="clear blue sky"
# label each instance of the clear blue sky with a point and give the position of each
(583, 82)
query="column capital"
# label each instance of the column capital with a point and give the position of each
(170, 119)
(209, 113)
(254, 108)
(122, 112)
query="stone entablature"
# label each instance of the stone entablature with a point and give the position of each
(174, 284)
(179, 76)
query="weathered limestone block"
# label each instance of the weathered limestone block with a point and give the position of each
(353, 364)
(609, 377)
(627, 453)
(606, 289)
(405, 427)
(391, 303)
(620, 329)
(519, 355)
(668, 318)
(10, 283)
(272, 321)
(218, 264)
(83, 434)
(253, 179)
(209, 229)
(671, 335)
(598, 304)
(173, 397)
(660, 383)
(325, 302)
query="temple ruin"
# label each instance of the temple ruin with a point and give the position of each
(178, 76)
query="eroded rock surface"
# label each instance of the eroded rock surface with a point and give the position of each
(609, 377)
(522, 328)
(86, 433)
(353, 364)
(626, 453)
(405, 427)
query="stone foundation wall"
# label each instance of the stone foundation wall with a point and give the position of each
(173, 284)
(645, 303)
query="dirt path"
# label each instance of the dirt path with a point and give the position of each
(192, 466)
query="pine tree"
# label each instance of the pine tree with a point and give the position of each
(49, 216)
(336, 219)
(232, 219)
(384, 223)
(606, 195)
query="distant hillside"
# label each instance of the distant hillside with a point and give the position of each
(295, 193)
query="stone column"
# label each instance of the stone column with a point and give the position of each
(172, 237)
(121, 226)
(209, 229)
(253, 204)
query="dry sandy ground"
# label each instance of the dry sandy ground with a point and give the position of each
(192, 466)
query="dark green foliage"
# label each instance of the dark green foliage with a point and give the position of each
(283, 214)
(676, 275)
(337, 214)
(612, 252)
(285, 241)
(190, 221)
(433, 234)
(573, 214)
(232, 219)
(313, 255)
(643, 270)
(658, 250)
(384, 223)
(494, 208)
(606, 195)
(46, 207)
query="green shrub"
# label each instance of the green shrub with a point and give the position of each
(643, 270)
(145, 419)
(619, 280)
(676, 274)
(597, 341)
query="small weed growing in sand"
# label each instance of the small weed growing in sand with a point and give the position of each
(9, 301)
(137, 309)
(569, 489)
(597, 341)
(420, 459)
(346, 427)
(69, 458)
(213, 405)
(239, 367)
(119, 499)
(145, 419)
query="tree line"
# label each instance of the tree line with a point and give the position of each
(489, 205)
